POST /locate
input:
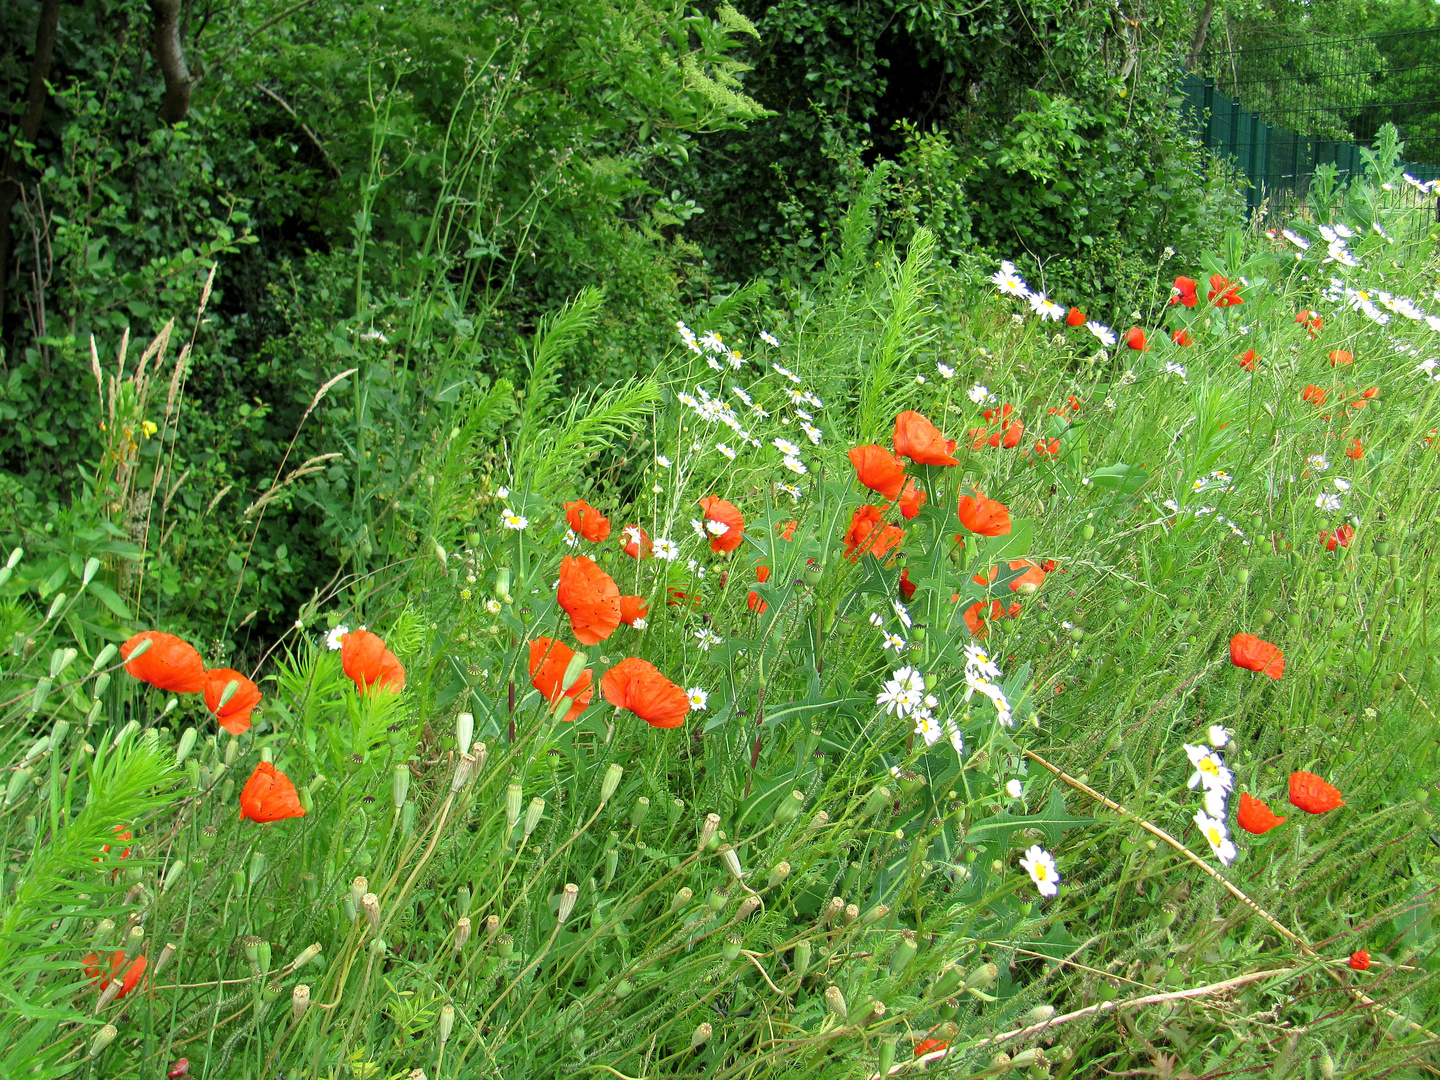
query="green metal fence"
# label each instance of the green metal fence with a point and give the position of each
(1294, 107)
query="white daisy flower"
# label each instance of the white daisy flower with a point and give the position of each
(1341, 484)
(957, 740)
(707, 638)
(1102, 333)
(713, 342)
(785, 446)
(893, 641)
(492, 606)
(698, 698)
(912, 677)
(1010, 284)
(332, 639)
(665, 549)
(945, 370)
(1040, 865)
(978, 660)
(769, 338)
(1210, 771)
(725, 450)
(1215, 832)
(1329, 502)
(1014, 788)
(1046, 308)
(795, 465)
(929, 730)
(734, 359)
(716, 528)
(663, 461)
(1220, 736)
(1214, 801)
(779, 370)
(1318, 462)
(812, 432)
(511, 520)
(639, 624)
(572, 539)
(790, 490)
(502, 493)
(876, 619)
(813, 400)
(979, 394)
(742, 395)
(1172, 368)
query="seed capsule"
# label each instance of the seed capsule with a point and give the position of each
(708, 828)
(299, 1001)
(103, 1038)
(835, 1001)
(701, 1036)
(370, 905)
(462, 933)
(568, 896)
(778, 873)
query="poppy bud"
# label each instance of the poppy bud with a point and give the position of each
(512, 804)
(185, 745)
(573, 670)
(1327, 1065)
(887, 1055)
(19, 781)
(257, 866)
(399, 785)
(878, 798)
(299, 1001)
(835, 1001)
(637, 814)
(378, 947)
(610, 782)
(40, 693)
(1039, 1014)
(370, 905)
(800, 958)
(788, 808)
(447, 1023)
(708, 829)
(502, 584)
(731, 949)
(701, 1036)
(568, 896)
(172, 875)
(103, 1038)
(464, 731)
(904, 952)
(533, 813)
(96, 706)
(682, 897)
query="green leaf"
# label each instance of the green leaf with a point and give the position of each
(111, 599)
(1054, 821)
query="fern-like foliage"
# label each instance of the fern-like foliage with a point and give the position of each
(593, 422)
(908, 284)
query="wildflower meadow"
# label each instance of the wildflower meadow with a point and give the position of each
(918, 674)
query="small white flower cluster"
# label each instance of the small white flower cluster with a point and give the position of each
(713, 345)
(1425, 187)
(981, 677)
(1206, 511)
(1335, 238)
(713, 410)
(1011, 283)
(1219, 480)
(1215, 782)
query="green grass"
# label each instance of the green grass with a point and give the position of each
(885, 872)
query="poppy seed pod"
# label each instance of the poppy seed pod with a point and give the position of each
(307, 954)
(358, 888)
(708, 828)
(731, 949)
(832, 910)
(835, 1001)
(887, 1055)
(876, 800)
(778, 873)
(850, 914)
(873, 1013)
(568, 896)
(682, 897)
(1027, 1058)
(800, 958)
(299, 1001)
(637, 814)
(788, 808)
(875, 914)
(133, 941)
(492, 925)
(981, 977)
(378, 947)
(904, 952)
(399, 785)
(447, 1023)
(462, 933)
(512, 804)
(464, 769)
(701, 1036)
(610, 782)
(719, 897)
(370, 905)
(731, 861)
(103, 1038)
(748, 907)
(533, 813)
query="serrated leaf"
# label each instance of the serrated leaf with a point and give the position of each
(1054, 821)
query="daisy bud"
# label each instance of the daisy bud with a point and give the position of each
(789, 808)
(512, 804)
(464, 769)
(904, 952)
(299, 1001)
(185, 745)
(172, 874)
(701, 1036)
(1039, 1014)
(399, 785)
(981, 977)
(492, 925)
(610, 783)
(876, 800)
(133, 941)
(731, 949)
(638, 812)
(464, 731)
(747, 907)
(568, 896)
(850, 914)
(103, 1038)
(800, 958)
(447, 1023)
(778, 873)
(832, 910)
(462, 933)
(306, 955)
(835, 1001)
(875, 914)
(533, 813)
(370, 905)
(682, 897)
(708, 828)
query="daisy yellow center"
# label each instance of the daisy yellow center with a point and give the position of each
(1213, 835)
(1207, 765)
(1040, 872)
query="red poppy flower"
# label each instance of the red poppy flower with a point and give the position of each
(1249, 652)
(1356, 451)
(549, 660)
(1008, 437)
(586, 521)
(1314, 394)
(121, 833)
(975, 617)
(234, 715)
(1135, 339)
(787, 529)
(929, 1046)
(1311, 320)
(1049, 449)
(1248, 359)
(978, 437)
(1075, 317)
(1341, 357)
(983, 516)
(921, 441)
(590, 597)
(168, 664)
(636, 685)
(369, 663)
(131, 979)
(906, 586)
(1181, 337)
(637, 542)
(269, 796)
(762, 573)
(727, 514)
(678, 597)
(1001, 413)
(911, 500)
(878, 469)
(1184, 291)
(1359, 960)
(1341, 537)
(1312, 794)
(868, 534)
(1030, 580)
(632, 608)
(1254, 816)
(1223, 291)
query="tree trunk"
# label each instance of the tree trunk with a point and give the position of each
(29, 128)
(1202, 29)
(171, 58)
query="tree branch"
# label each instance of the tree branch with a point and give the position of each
(171, 58)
